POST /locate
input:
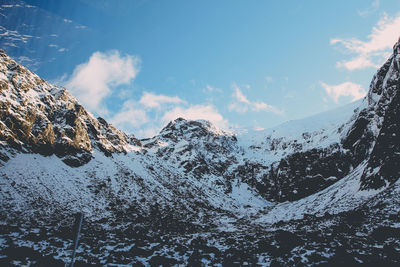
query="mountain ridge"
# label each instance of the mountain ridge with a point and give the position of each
(193, 181)
(39, 117)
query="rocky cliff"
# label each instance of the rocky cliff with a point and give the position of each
(38, 117)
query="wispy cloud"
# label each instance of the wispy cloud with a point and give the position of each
(373, 7)
(242, 104)
(92, 81)
(151, 100)
(349, 89)
(373, 52)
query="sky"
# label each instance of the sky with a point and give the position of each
(239, 64)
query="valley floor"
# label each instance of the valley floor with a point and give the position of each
(365, 235)
(349, 238)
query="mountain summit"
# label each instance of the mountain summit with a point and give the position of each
(323, 189)
(382, 121)
(38, 117)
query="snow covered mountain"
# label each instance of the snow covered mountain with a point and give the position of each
(319, 190)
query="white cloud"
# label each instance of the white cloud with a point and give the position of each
(130, 116)
(240, 96)
(91, 82)
(197, 112)
(360, 62)
(371, 9)
(242, 104)
(144, 123)
(142, 117)
(146, 117)
(373, 52)
(353, 90)
(150, 100)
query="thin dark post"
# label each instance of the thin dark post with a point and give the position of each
(78, 224)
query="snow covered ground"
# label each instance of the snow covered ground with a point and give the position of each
(137, 175)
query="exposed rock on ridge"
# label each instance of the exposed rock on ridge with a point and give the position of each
(38, 117)
(375, 134)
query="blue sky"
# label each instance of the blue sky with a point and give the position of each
(239, 64)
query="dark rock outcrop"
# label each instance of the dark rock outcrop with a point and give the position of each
(374, 137)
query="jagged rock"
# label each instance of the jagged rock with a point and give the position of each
(304, 173)
(374, 136)
(41, 118)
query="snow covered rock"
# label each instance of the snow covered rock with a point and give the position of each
(374, 137)
(41, 118)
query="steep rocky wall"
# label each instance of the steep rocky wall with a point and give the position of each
(38, 117)
(374, 137)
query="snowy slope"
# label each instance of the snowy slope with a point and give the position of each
(192, 184)
(226, 171)
(319, 130)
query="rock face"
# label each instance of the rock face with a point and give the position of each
(374, 135)
(195, 194)
(383, 113)
(40, 118)
(197, 148)
(207, 153)
(304, 173)
(373, 138)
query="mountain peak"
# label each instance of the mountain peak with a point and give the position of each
(191, 129)
(42, 118)
(396, 45)
(374, 134)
